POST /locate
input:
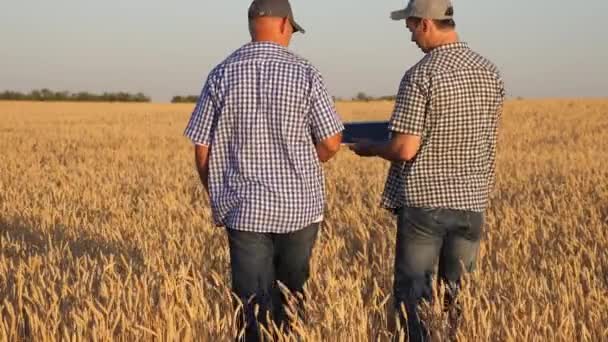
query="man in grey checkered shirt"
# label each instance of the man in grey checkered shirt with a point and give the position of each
(263, 125)
(443, 150)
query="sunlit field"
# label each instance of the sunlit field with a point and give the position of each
(105, 232)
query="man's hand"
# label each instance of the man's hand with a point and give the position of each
(363, 148)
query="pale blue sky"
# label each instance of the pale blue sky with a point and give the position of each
(164, 48)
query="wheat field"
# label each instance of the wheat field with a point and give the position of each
(105, 232)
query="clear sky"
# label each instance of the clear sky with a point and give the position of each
(164, 48)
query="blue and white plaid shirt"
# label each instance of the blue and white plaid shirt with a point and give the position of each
(261, 112)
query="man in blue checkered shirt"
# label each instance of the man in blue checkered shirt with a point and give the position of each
(263, 125)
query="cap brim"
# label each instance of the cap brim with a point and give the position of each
(296, 26)
(400, 15)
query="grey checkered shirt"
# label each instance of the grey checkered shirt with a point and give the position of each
(261, 112)
(453, 99)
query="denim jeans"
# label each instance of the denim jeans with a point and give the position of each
(258, 261)
(426, 239)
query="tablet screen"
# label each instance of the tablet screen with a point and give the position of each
(376, 131)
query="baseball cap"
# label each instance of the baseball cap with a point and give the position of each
(274, 8)
(427, 9)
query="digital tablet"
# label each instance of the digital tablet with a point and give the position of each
(376, 131)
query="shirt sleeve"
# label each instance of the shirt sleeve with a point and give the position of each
(200, 126)
(410, 111)
(324, 119)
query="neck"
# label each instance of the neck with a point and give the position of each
(269, 39)
(445, 39)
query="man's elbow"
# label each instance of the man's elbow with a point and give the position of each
(328, 151)
(328, 148)
(407, 154)
(334, 148)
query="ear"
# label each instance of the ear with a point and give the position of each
(252, 28)
(284, 25)
(426, 25)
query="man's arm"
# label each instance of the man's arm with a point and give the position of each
(201, 157)
(326, 126)
(327, 149)
(401, 148)
(407, 124)
(200, 129)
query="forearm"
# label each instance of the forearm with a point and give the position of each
(324, 153)
(203, 173)
(401, 148)
(329, 147)
(201, 158)
(386, 151)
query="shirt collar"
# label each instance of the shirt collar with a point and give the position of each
(265, 44)
(451, 46)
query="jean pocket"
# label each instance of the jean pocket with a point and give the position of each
(432, 214)
(423, 220)
(475, 222)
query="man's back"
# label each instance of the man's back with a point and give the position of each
(461, 94)
(264, 170)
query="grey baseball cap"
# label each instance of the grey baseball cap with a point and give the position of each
(427, 9)
(274, 8)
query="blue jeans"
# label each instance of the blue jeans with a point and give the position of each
(427, 238)
(258, 261)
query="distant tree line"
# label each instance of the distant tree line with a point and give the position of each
(83, 96)
(361, 96)
(185, 99)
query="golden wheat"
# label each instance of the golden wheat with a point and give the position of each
(105, 233)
